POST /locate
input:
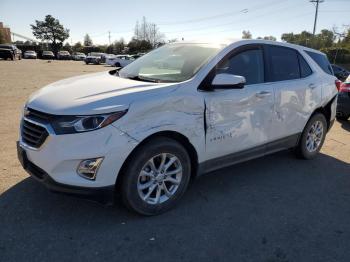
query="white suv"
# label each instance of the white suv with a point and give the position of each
(146, 130)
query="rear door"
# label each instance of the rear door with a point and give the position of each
(297, 90)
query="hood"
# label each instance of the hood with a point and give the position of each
(96, 93)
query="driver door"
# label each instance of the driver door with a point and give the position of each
(240, 118)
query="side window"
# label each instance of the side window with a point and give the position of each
(284, 63)
(249, 64)
(322, 61)
(305, 69)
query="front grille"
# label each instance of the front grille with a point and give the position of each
(33, 134)
(38, 116)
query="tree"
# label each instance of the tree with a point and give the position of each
(246, 34)
(77, 47)
(87, 40)
(148, 32)
(136, 46)
(67, 47)
(322, 40)
(50, 30)
(2, 39)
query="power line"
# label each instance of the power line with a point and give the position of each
(232, 22)
(222, 15)
(316, 13)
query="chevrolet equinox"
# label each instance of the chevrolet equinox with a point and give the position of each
(181, 110)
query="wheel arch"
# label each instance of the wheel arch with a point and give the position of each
(326, 110)
(178, 137)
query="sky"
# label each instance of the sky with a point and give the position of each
(188, 19)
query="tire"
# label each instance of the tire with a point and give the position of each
(312, 139)
(135, 198)
(342, 117)
(117, 64)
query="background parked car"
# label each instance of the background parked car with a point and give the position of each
(138, 55)
(30, 54)
(77, 56)
(120, 60)
(48, 55)
(340, 72)
(63, 55)
(10, 52)
(94, 58)
(343, 107)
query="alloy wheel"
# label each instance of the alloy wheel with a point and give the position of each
(159, 178)
(314, 136)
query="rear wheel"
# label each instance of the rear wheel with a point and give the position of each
(117, 64)
(156, 177)
(312, 138)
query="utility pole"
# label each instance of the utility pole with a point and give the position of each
(109, 37)
(316, 13)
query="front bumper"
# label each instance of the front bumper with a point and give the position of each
(60, 155)
(104, 195)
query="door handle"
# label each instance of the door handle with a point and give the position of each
(312, 86)
(262, 94)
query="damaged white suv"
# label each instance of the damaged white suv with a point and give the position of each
(181, 110)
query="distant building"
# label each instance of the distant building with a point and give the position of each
(6, 33)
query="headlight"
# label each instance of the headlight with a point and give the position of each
(77, 124)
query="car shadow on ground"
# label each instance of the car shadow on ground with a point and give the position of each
(275, 208)
(345, 125)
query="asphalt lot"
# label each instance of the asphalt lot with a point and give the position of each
(275, 208)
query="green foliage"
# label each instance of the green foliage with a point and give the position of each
(337, 54)
(136, 46)
(50, 30)
(322, 40)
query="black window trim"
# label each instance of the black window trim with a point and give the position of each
(206, 85)
(312, 71)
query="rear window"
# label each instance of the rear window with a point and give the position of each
(322, 61)
(284, 63)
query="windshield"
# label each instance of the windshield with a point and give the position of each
(170, 63)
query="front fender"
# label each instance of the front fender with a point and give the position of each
(184, 115)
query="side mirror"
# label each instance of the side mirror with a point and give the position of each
(227, 81)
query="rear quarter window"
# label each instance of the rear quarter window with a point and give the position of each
(322, 61)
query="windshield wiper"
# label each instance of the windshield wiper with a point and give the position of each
(144, 79)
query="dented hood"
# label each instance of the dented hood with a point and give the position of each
(96, 93)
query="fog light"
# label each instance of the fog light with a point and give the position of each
(88, 168)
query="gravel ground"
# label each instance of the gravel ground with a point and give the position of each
(275, 208)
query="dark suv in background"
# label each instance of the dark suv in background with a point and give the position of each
(340, 72)
(8, 51)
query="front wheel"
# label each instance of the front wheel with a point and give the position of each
(312, 138)
(156, 176)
